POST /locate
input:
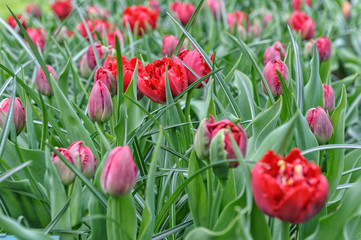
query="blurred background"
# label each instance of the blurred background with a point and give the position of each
(17, 6)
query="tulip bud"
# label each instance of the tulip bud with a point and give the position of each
(302, 23)
(274, 52)
(100, 107)
(119, 173)
(11, 21)
(216, 8)
(107, 78)
(217, 153)
(323, 45)
(84, 68)
(346, 10)
(202, 140)
(33, 9)
(308, 49)
(183, 11)
(169, 44)
(62, 8)
(90, 56)
(83, 155)
(320, 124)
(254, 30)
(270, 74)
(37, 35)
(18, 114)
(328, 98)
(42, 84)
(266, 19)
(67, 176)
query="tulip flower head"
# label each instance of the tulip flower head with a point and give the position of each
(183, 11)
(37, 35)
(216, 8)
(195, 61)
(302, 23)
(83, 155)
(296, 4)
(100, 106)
(328, 98)
(18, 114)
(289, 188)
(119, 173)
(237, 20)
(33, 9)
(42, 84)
(62, 8)
(11, 21)
(107, 78)
(151, 81)
(275, 52)
(346, 10)
(88, 61)
(138, 17)
(270, 74)
(320, 124)
(323, 45)
(67, 176)
(169, 44)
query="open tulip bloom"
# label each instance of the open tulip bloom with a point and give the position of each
(172, 119)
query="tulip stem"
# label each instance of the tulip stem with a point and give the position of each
(210, 195)
(216, 205)
(188, 115)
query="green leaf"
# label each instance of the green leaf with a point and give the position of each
(313, 89)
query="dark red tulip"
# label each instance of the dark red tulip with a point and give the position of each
(289, 188)
(151, 81)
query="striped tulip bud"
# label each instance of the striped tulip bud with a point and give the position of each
(320, 124)
(100, 107)
(42, 84)
(18, 114)
(83, 155)
(67, 176)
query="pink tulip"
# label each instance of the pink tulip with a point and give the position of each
(270, 74)
(83, 155)
(42, 84)
(320, 124)
(100, 106)
(18, 114)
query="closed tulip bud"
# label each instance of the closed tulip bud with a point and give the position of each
(320, 124)
(289, 188)
(18, 114)
(119, 173)
(275, 52)
(67, 176)
(296, 4)
(308, 49)
(62, 8)
(169, 44)
(195, 61)
(83, 155)
(42, 84)
(266, 19)
(270, 74)
(37, 35)
(33, 9)
(100, 106)
(346, 10)
(183, 11)
(302, 23)
(84, 68)
(323, 45)
(216, 8)
(202, 140)
(90, 56)
(107, 78)
(328, 98)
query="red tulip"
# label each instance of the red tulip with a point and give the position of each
(238, 18)
(328, 97)
(100, 25)
(81, 28)
(216, 7)
(33, 9)
(346, 10)
(100, 106)
(111, 38)
(289, 188)
(140, 16)
(169, 44)
(104, 75)
(37, 35)
(119, 173)
(323, 45)
(11, 21)
(128, 68)
(208, 130)
(196, 62)
(89, 57)
(183, 11)
(67, 176)
(62, 8)
(270, 74)
(300, 22)
(320, 124)
(18, 114)
(151, 81)
(83, 155)
(275, 52)
(296, 4)
(42, 84)
(94, 11)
